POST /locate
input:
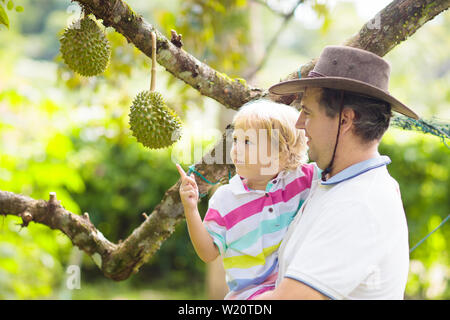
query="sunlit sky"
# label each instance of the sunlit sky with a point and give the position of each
(366, 9)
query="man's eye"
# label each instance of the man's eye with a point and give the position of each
(303, 110)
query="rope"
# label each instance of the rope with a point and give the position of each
(192, 169)
(299, 73)
(441, 130)
(421, 241)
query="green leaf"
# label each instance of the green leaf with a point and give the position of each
(320, 9)
(10, 5)
(19, 8)
(4, 17)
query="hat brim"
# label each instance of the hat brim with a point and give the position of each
(299, 85)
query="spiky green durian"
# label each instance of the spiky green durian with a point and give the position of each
(85, 48)
(153, 123)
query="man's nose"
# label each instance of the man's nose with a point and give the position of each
(300, 121)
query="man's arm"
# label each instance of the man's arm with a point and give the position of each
(290, 289)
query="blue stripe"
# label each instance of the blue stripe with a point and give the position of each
(313, 287)
(299, 206)
(357, 169)
(218, 240)
(238, 284)
(265, 227)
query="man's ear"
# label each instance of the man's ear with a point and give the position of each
(347, 117)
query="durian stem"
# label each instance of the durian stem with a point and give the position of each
(153, 81)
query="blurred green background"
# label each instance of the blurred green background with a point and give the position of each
(64, 133)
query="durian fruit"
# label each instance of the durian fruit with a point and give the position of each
(153, 123)
(85, 48)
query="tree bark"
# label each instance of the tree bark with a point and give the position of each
(397, 21)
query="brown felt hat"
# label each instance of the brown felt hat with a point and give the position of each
(349, 69)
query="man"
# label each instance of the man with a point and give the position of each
(349, 240)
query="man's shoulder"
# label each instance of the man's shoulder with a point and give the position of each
(371, 184)
(361, 197)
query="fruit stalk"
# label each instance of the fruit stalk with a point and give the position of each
(153, 79)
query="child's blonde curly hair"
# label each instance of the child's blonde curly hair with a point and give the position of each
(269, 115)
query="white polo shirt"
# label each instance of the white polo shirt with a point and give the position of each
(349, 239)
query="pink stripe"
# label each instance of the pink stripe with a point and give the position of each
(257, 205)
(308, 170)
(261, 291)
(246, 210)
(214, 215)
(272, 278)
(245, 184)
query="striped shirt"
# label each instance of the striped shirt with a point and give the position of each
(248, 226)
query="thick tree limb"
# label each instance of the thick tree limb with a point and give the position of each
(50, 213)
(398, 21)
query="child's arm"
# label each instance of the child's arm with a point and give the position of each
(201, 239)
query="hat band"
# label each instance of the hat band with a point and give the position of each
(315, 74)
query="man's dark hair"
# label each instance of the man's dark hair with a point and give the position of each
(372, 116)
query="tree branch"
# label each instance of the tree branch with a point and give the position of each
(266, 5)
(50, 213)
(287, 18)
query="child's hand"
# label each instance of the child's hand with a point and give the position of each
(188, 189)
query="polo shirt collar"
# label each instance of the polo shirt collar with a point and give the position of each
(357, 169)
(238, 186)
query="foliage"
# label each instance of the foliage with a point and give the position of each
(420, 166)
(122, 180)
(3, 13)
(204, 24)
(31, 260)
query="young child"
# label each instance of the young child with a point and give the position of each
(247, 218)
